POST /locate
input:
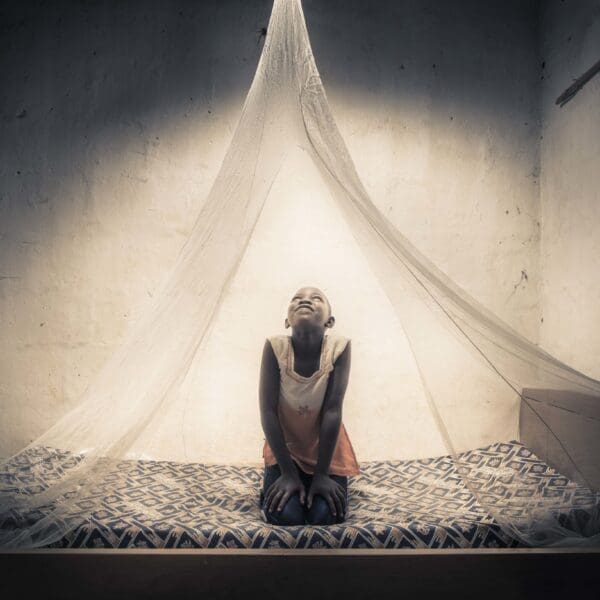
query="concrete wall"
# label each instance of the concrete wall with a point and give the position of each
(570, 185)
(115, 117)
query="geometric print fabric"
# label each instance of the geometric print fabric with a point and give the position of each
(421, 503)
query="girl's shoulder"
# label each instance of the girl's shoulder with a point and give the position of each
(279, 344)
(337, 344)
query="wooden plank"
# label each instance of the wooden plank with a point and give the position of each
(307, 574)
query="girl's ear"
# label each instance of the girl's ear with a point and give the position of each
(286, 324)
(330, 322)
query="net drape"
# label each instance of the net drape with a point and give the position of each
(447, 331)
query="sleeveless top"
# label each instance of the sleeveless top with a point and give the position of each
(299, 408)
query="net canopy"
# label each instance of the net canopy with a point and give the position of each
(288, 208)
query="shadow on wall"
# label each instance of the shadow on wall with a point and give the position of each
(74, 74)
(453, 54)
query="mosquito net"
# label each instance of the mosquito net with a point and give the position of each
(434, 372)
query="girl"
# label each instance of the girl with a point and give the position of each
(303, 380)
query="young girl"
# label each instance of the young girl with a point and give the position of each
(308, 455)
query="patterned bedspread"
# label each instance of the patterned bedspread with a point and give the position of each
(392, 504)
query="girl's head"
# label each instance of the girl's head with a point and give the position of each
(309, 308)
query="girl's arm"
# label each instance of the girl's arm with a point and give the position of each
(269, 400)
(332, 410)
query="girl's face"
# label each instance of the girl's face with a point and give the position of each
(309, 306)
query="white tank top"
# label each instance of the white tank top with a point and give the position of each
(297, 391)
(300, 402)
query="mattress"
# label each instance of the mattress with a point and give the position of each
(420, 503)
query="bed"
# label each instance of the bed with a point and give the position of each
(421, 504)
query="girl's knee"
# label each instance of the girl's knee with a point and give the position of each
(320, 513)
(291, 514)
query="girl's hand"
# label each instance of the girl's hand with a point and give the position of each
(331, 490)
(281, 490)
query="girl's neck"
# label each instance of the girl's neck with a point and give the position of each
(308, 342)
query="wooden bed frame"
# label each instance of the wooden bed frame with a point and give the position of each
(302, 574)
(307, 574)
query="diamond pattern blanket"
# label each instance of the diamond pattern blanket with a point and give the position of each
(392, 504)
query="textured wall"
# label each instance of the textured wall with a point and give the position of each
(438, 103)
(115, 117)
(570, 186)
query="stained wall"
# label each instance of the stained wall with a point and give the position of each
(570, 186)
(115, 117)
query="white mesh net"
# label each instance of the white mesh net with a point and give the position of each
(172, 389)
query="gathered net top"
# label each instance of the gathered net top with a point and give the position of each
(300, 408)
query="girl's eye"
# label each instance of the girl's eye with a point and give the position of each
(298, 298)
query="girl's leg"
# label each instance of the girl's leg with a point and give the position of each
(320, 513)
(292, 513)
